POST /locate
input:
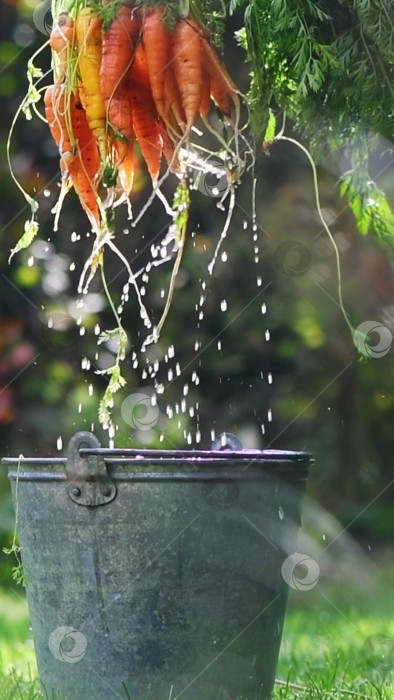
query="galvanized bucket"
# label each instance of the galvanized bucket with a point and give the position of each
(156, 575)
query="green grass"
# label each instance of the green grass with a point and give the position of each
(329, 649)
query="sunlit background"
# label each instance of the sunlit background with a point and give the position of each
(259, 349)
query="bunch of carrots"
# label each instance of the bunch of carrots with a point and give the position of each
(123, 80)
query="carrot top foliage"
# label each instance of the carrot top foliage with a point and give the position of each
(329, 64)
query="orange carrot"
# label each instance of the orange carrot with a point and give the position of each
(168, 147)
(121, 119)
(187, 62)
(222, 87)
(71, 164)
(126, 167)
(174, 114)
(156, 42)
(118, 49)
(79, 155)
(205, 103)
(144, 114)
(85, 143)
(61, 40)
(50, 113)
(120, 115)
(62, 32)
(55, 113)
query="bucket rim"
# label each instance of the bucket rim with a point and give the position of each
(126, 456)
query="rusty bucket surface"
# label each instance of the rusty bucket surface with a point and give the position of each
(156, 575)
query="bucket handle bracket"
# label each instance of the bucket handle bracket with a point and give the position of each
(88, 481)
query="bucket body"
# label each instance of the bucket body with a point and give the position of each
(157, 575)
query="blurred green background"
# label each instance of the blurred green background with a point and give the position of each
(276, 364)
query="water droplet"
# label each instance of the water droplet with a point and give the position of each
(281, 513)
(30, 261)
(171, 351)
(90, 390)
(269, 415)
(263, 308)
(47, 193)
(59, 443)
(224, 256)
(223, 305)
(267, 335)
(219, 345)
(269, 378)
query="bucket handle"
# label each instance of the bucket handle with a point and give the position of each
(88, 481)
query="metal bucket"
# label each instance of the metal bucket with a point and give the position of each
(156, 575)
